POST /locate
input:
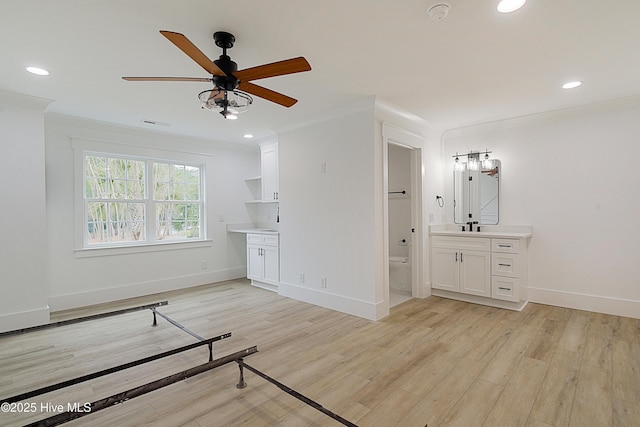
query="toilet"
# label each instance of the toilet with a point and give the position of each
(399, 273)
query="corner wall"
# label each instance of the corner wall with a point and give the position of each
(570, 174)
(23, 275)
(327, 220)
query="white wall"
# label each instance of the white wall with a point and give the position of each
(76, 279)
(23, 301)
(327, 220)
(571, 175)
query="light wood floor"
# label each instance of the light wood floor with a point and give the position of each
(434, 362)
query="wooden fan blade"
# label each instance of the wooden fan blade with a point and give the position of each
(268, 94)
(280, 68)
(185, 45)
(166, 79)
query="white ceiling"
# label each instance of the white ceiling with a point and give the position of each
(474, 66)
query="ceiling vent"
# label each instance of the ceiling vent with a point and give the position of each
(439, 11)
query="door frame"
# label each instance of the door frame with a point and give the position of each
(397, 136)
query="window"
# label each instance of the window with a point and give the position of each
(130, 201)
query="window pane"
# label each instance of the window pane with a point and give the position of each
(193, 229)
(117, 168)
(177, 173)
(96, 188)
(117, 189)
(135, 190)
(135, 170)
(192, 192)
(177, 191)
(192, 174)
(161, 172)
(95, 166)
(161, 191)
(97, 223)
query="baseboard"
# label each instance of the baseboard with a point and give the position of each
(24, 319)
(99, 296)
(596, 303)
(353, 306)
(508, 305)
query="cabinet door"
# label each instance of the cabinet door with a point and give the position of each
(271, 264)
(444, 264)
(269, 166)
(255, 262)
(475, 273)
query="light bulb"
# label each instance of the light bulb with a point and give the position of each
(486, 162)
(508, 6)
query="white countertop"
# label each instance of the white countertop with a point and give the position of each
(250, 228)
(496, 234)
(496, 231)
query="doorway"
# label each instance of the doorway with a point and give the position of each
(403, 224)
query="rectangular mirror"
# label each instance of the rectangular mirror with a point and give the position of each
(476, 194)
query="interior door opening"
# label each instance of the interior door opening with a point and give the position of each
(404, 193)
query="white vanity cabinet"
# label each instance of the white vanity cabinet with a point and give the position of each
(263, 260)
(462, 265)
(484, 268)
(269, 167)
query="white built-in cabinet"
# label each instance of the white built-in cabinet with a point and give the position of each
(486, 270)
(462, 265)
(263, 260)
(269, 167)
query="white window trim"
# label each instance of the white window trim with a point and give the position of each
(81, 147)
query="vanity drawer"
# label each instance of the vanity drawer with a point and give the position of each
(468, 243)
(270, 239)
(511, 246)
(262, 239)
(507, 265)
(504, 288)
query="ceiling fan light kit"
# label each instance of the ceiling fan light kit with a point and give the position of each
(232, 88)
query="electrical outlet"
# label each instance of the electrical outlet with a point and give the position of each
(323, 167)
(301, 278)
(323, 282)
(204, 264)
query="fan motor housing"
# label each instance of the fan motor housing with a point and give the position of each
(228, 82)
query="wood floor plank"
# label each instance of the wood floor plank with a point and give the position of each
(554, 401)
(593, 401)
(514, 404)
(432, 361)
(474, 405)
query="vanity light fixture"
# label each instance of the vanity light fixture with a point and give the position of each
(473, 162)
(508, 6)
(459, 166)
(487, 163)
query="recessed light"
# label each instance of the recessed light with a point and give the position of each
(508, 6)
(571, 85)
(38, 71)
(247, 135)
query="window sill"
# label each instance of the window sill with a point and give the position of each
(134, 249)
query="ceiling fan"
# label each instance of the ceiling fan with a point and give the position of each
(232, 88)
